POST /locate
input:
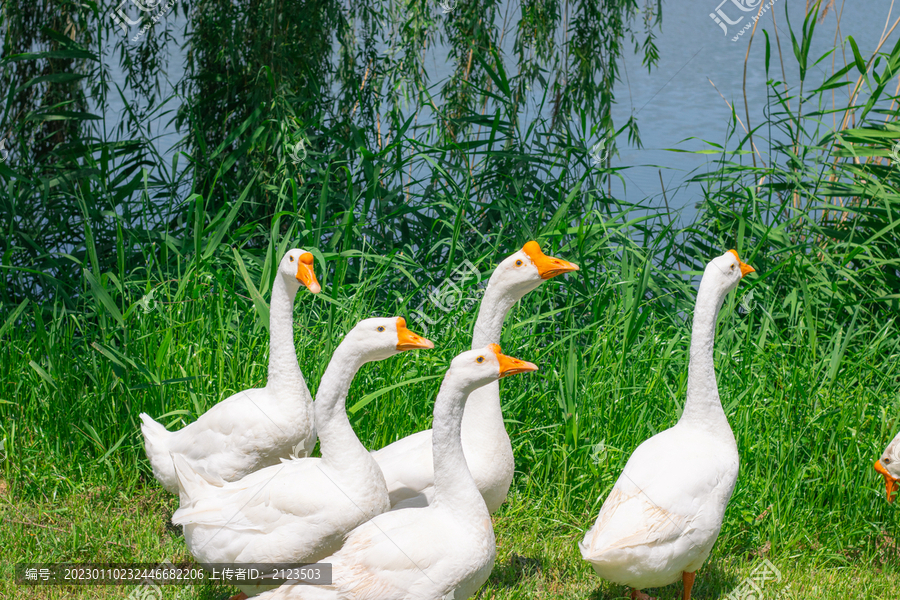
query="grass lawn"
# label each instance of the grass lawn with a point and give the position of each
(810, 413)
(537, 554)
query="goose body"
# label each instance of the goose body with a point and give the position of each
(889, 466)
(662, 517)
(655, 526)
(488, 453)
(298, 510)
(407, 464)
(254, 428)
(441, 551)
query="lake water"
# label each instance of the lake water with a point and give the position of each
(676, 105)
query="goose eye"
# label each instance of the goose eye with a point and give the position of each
(518, 263)
(381, 328)
(886, 461)
(732, 266)
(480, 359)
(292, 259)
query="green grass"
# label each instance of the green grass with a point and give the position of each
(537, 555)
(810, 414)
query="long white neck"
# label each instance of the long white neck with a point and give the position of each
(284, 372)
(483, 418)
(491, 314)
(337, 440)
(702, 405)
(454, 487)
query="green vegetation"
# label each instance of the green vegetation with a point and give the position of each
(151, 296)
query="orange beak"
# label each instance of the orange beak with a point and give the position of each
(407, 340)
(745, 268)
(547, 266)
(305, 273)
(510, 365)
(890, 482)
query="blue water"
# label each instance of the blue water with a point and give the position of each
(675, 104)
(678, 107)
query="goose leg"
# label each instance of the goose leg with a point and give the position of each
(240, 596)
(688, 580)
(637, 594)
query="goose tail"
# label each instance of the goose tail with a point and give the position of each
(192, 482)
(156, 445)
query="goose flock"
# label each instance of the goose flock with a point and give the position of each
(412, 520)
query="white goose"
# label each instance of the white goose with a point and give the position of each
(664, 513)
(407, 463)
(299, 510)
(256, 427)
(889, 466)
(445, 550)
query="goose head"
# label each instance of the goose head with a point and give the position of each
(525, 270)
(380, 338)
(889, 466)
(297, 266)
(476, 368)
(725, 272)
